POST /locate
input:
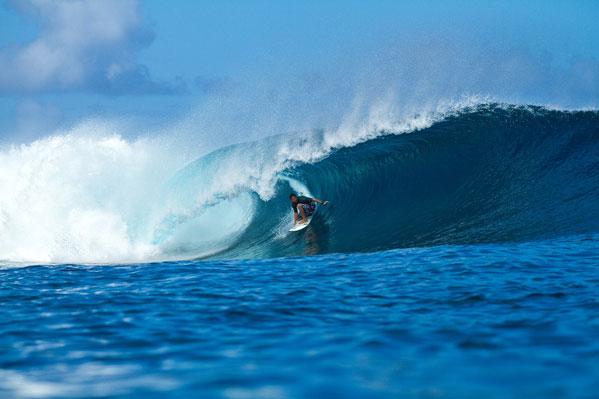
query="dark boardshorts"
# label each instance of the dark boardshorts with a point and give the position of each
(308, 209)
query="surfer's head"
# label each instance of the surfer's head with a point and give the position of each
(293, 198)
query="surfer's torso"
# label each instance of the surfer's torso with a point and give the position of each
(302, 200)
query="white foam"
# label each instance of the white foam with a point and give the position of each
(75, 197)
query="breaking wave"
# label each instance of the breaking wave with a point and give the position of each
(483, 173)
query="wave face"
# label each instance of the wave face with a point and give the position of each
(493, 174)
(488, 173)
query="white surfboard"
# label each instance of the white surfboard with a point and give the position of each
(301, 226)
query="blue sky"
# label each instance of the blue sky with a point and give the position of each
(154, 61)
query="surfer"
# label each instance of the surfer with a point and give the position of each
(303, 207)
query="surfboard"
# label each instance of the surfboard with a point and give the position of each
(301, 226)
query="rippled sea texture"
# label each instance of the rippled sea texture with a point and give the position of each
(481, 321)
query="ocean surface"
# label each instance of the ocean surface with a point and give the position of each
(458, 258)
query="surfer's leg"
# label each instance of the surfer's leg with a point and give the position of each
(302, 212)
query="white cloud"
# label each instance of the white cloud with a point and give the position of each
(82, 45)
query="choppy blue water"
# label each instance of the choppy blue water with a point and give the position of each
(469, 321)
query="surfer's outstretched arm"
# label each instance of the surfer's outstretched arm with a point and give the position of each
(294, 217)
(320, 201)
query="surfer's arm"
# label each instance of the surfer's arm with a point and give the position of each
(294, 217)
(320, 201)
